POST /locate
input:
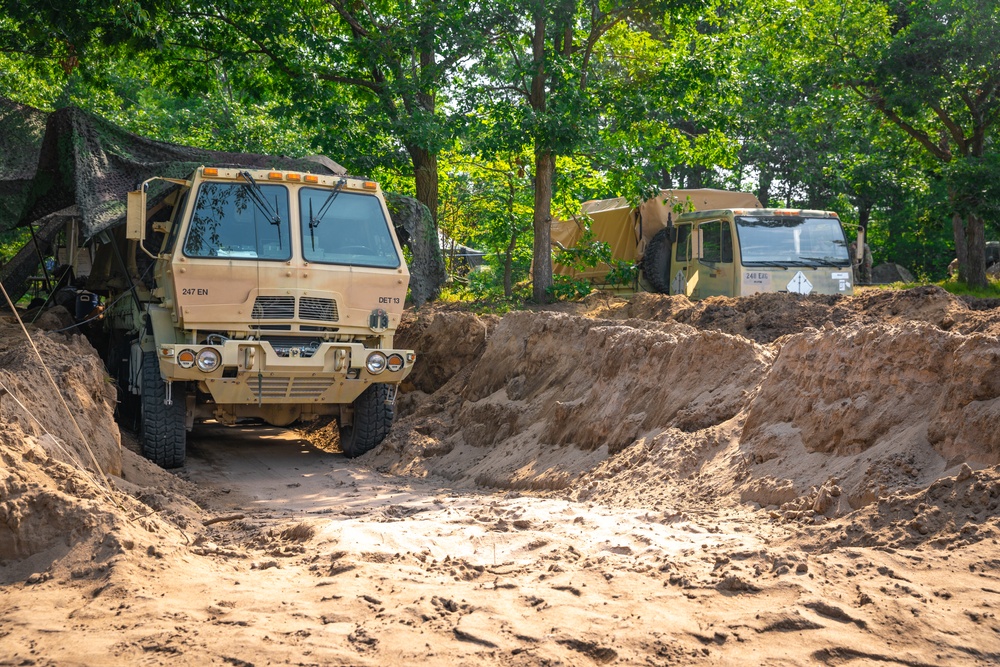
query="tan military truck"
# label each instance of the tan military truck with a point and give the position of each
(743, 251)
(266, 294)
(708, 242)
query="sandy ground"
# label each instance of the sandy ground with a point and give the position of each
(531, 514)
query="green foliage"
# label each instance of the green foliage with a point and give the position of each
(11, 242)
(586, 254)
(565, 288)
(958, 288)
(622, 273)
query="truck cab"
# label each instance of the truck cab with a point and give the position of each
(739, 252)
(266, 294)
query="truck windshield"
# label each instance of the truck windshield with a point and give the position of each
(352, 230)
(791, 241)
(228, 224)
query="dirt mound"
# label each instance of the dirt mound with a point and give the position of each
(953, 511)
(878, 399)
(842, 391)
(553, 395)
(60, 487)
(56, 516)
(767, 317)
(34, 405)
(43, 502)
(446, 341)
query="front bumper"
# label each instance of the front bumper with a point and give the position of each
(253, 372)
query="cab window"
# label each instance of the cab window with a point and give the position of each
(718, 241)
(683, 242)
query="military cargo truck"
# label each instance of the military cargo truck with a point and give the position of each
(628, 229)
(743, 251)
(267, 294)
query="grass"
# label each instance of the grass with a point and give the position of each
(991, 291)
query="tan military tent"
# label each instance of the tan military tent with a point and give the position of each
(627, 229)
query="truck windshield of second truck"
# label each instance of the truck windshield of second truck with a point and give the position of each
(792, 241)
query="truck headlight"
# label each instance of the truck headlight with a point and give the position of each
(375, 363)
(209, 359)
(185, 359)
(395, 362)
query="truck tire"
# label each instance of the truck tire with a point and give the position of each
(163, 426)
(655, 261)
(372, 419)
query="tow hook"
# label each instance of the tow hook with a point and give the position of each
(168, 397)
(390, 398)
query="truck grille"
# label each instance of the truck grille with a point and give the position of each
(311, 308)
(274, 308)
(301, 389)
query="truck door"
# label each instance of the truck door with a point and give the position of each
(717, 270)
(684, 269)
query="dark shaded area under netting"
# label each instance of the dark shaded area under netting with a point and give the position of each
(69, 157)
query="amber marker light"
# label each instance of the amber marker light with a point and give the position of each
(369, 185)
(311, 178)
(209, 171)
(293, 177)
(395, 363)
(274, 175)
(186, 358)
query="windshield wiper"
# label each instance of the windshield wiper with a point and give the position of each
(826, 261)
(314, 220)
(258, 199)
(767, 263)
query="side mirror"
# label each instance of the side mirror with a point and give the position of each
(135, 217)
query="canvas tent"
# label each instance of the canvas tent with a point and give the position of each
(627, 229)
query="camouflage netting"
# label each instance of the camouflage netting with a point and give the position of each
(415, 227)
(21, 132)
(50, 161)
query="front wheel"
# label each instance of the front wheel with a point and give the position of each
(372, 418)
(164, 429)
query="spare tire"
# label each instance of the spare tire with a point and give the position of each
(655, 264)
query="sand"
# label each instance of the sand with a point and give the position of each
(772, 481)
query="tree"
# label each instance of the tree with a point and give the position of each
(932, 69)
(540, 82)
(397, 58)
(489, 204)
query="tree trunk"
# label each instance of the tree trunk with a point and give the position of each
(425, 173)
(764, 187)
(508, 266)
(541, 279)
(961, 248)
(972, 271)
(508, 258)
(542, 249)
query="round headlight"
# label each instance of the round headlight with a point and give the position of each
(185, 359)
(395, 362)
(375, 363)
(209, 359)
